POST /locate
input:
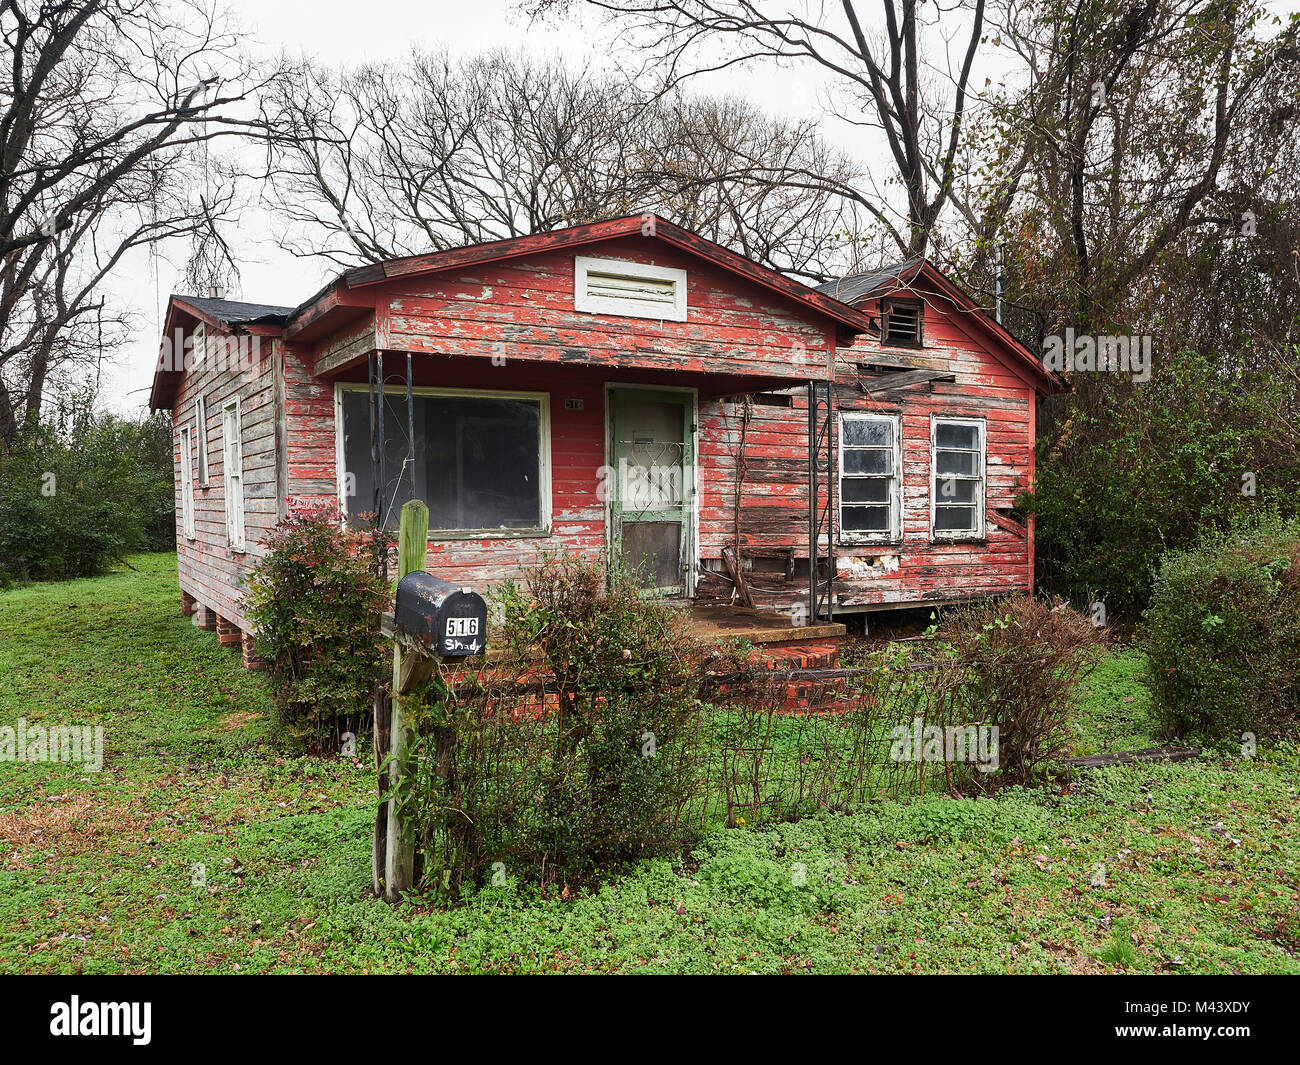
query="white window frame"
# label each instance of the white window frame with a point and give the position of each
(543, 399)
(232, 468)
(187, 482)
(201, 428)
(198, 345)
(894, 533)
(980, 478)
(584, 301)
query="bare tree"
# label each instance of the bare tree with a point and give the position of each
(103, 105)
(392, 159)
(894, 84)
(1133, 131)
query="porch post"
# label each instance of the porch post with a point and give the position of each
(812, 501)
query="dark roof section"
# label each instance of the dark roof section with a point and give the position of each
(855, 286)
(232, 313)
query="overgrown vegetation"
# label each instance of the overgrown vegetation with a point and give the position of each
(1016, 665)
(1139, 469)
(98, 870)
(602, 730)
(1223, 633)
(594, 764)
(315, 600)
(80, 490)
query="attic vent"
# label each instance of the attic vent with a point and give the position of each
(632, 290)
(901, 323)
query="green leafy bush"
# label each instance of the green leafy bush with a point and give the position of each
(1135, 470)
(1222, 633)
(80, 491)
(315, 601)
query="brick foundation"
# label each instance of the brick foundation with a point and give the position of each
(228, 633)
(188, 604)
(251, 661)
(205, 617)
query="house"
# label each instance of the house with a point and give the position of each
(627, 386)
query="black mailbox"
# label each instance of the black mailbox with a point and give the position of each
(450, 621)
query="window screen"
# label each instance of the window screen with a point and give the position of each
(476, 461)
(869, 481)
(958, 456)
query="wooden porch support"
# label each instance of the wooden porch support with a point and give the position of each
(821, 520)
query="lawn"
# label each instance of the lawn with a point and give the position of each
(204, 846)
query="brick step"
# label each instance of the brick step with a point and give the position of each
(799, 654)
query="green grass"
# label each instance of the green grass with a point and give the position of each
(1190, 867)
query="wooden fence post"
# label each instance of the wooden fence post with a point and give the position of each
(399, 851)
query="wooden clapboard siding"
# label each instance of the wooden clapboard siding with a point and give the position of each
(208, 568)
(524, 310)
(521, 313)
(774, 502)
(485, 319)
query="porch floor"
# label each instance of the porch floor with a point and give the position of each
(757, 626)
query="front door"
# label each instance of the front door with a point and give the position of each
(654, 468)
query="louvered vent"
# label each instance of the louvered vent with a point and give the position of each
(648, 292)
(634, 290)
(902, 324)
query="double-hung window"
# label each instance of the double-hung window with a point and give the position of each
(187, 483)
(232, 449)
(957, 461)
(870, 478)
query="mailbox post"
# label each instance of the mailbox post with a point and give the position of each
(433, 620)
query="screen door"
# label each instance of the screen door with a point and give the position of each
(654, 470)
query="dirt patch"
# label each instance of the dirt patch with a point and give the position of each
(67, 826)
(239, 719)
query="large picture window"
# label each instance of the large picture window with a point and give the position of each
(957, 457)
(870, 477)
(480, 461)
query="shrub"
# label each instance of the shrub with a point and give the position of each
(596, 774)
(1016, 665)
(1222, 633)
(315, 600)
(1139, 470)
(80, 491)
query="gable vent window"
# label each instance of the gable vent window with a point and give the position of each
(199, 346)
(631, 290)
(901, 323)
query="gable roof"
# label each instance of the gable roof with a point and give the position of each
(306, 319)
(855, 287)
(858, 288)
(227, 315)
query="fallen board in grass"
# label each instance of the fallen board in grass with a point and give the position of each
(1147, 754)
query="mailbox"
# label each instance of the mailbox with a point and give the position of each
(450, 621)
